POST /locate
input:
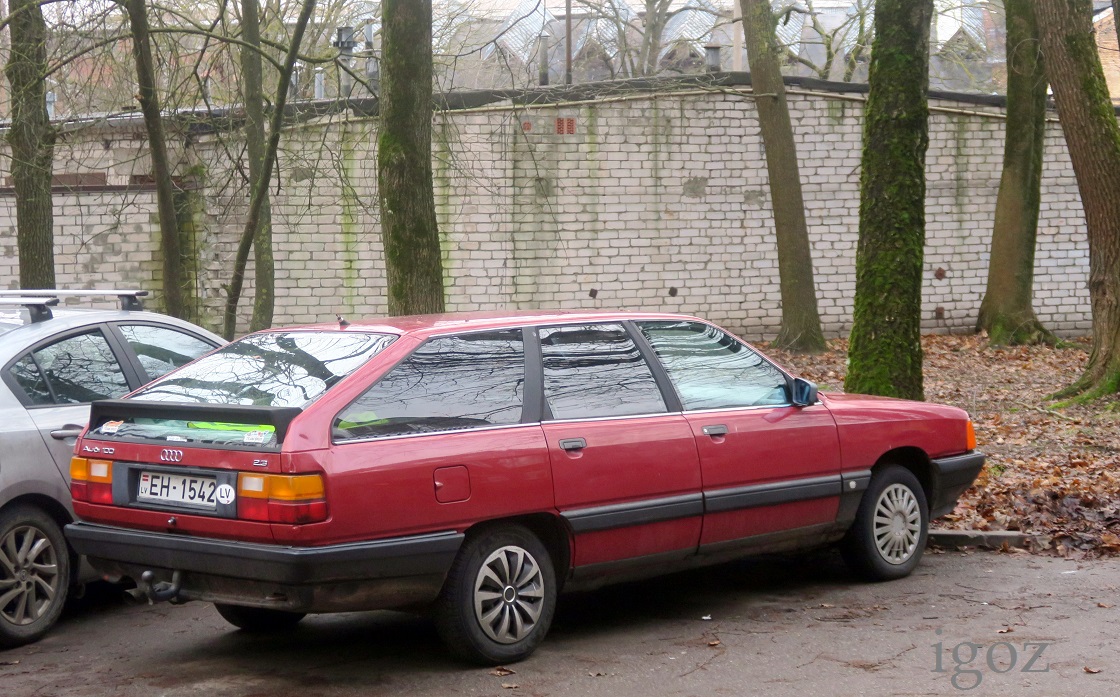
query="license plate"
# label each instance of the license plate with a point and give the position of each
(178, 489)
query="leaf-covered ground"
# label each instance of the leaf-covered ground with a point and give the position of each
(1052, 473)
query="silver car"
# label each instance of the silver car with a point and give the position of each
(53, 363)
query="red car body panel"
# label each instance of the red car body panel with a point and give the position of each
(591, 477)
(871, 426)
(386, 488)
(757, 450)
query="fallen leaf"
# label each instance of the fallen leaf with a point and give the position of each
(1105, 605)
(706, 617)
(714, 642)
(510, 685)
(502, 671)
(1005, 630)
(596, 674)
(1092, 671)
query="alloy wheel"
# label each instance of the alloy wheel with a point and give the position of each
(29, 575)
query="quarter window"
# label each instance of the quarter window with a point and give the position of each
(450, 383)
(712, 370)
(596, 371)
(75, 370)
(28, 376)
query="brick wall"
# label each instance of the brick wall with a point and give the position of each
(655, 201)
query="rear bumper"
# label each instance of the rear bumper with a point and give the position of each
(355, 576)
(951, 476)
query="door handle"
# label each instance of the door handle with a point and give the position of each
(66, 432)
(715, 430)
(572, 444)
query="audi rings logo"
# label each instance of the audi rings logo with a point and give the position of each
(169, 455)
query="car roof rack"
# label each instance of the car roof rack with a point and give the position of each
(39, 308)
(130, 299)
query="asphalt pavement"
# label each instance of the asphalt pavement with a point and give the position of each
(970, 623)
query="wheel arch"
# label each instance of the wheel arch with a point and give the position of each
(549, 529)
(913, 459)
(57, 512)
(50, 506)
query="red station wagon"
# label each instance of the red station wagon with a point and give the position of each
(476, 465)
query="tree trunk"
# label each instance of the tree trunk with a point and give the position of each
(1006, 312)
(885, 351)
(252, 80)
(1073, 67)
(260, 190)
(171, 247)
(801, 324)
(404, 160)
(31, 138)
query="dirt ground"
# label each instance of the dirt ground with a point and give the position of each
(983, 623)
(1051, 472)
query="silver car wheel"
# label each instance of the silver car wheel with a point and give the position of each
(898, 524)
(29, 575)
(508, 594)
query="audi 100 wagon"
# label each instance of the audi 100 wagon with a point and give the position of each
(476, 465)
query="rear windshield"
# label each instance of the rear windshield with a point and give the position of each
(276, 369)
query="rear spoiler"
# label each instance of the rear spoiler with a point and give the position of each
(105, 410)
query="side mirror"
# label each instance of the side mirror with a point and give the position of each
(804, 392)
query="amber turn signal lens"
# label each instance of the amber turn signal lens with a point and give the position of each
(970, 437)
(79, 469)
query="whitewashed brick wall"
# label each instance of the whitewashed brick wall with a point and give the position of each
(659, 202)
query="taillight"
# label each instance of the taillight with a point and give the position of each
(278, 498)
(970, 437)
(91, 480)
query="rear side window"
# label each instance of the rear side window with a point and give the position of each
(450, 383)
(160, 349)
(76, 370)
(274, 369)
(596, 371)
(711, 369)
(30, 380)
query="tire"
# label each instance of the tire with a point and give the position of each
(499, 597)
(34, 574)
(888, 536)
(259, 620)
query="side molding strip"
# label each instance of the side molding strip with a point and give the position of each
(622, 515)
(771, 494)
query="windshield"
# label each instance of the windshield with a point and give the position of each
(276, 369)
